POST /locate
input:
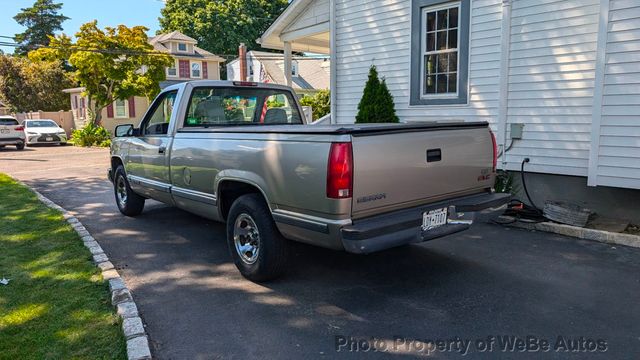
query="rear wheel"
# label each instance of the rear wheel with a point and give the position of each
(20, 146)
(257, 247)
(129, 203)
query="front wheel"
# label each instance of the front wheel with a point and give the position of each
(257, 247)
(129, 203)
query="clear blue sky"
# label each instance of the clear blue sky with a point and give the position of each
(107, 12)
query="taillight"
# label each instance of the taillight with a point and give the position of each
(19, 128)
(340, 171)
(495, 150)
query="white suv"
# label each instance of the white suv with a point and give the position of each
(11, 132)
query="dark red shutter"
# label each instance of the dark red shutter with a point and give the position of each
(205, 71)
(82, 110)
(132, 107)
(184, 68)
(110, 110)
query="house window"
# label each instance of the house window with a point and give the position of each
(172, 70)
(440, 50)
(195, 70)
(294, 69)
(121, 109)
(439, 66)
(182, 47)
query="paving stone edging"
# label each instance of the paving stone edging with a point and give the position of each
(121, 299)
(581, 233)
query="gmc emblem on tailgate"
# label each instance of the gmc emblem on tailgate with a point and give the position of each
(370, 198)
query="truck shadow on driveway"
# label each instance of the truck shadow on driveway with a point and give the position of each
(487, 281)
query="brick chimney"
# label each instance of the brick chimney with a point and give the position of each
(242, 55)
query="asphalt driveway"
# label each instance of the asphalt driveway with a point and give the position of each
(491, 281)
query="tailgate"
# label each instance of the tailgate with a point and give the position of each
(399, 170)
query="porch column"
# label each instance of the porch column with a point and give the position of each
(288, 63)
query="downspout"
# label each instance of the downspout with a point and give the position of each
(503, 101)
(333, 83)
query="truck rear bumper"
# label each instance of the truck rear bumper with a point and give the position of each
(405, 226)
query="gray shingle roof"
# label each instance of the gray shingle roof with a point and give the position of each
(314, 73)
(174, 36)
(159, 42)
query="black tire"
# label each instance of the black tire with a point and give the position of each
(20, 146)
(273, 249)
(129, 203)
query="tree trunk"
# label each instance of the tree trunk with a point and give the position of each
(97, 119)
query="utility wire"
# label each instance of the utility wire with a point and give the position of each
(276, 56)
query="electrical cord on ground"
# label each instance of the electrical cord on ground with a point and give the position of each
(520, 211)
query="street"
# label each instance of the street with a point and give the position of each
(489, 281)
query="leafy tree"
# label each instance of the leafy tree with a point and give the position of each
(221, 25)
(320, 102)
(33, 85)
(376, 105)
(41, 20)
(111, 64)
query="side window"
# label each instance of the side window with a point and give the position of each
(157, 120)
(440, 50)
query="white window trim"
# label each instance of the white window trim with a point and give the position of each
(126, 109)
(186, 47)
(175, 67)
(423, 52)
(191, 62)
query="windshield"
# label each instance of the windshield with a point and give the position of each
(214, 106)
(40, 124)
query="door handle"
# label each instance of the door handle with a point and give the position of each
(162, 149)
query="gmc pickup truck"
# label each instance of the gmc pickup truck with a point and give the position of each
(242, 153)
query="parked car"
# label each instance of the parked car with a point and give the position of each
(44, 131)
(11, 132)
(241, 153)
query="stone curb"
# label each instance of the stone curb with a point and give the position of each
(581, 233)
(132, 327)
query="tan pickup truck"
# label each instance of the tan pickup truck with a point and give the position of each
(242, 153)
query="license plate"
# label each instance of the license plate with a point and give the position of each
(49, 139)
(434, 218)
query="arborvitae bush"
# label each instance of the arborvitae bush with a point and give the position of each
(376, 105)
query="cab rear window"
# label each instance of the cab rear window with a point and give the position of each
(215, 106)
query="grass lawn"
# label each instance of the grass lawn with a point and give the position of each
(56, 305)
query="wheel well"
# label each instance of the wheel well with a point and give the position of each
(115, 162)
(229, 191)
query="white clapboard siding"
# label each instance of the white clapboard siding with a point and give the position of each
(619, 147)
(551, 80)
(379, 32)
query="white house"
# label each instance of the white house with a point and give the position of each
(309, 74)
(565, 72)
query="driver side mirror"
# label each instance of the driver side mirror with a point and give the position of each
(126, 131)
